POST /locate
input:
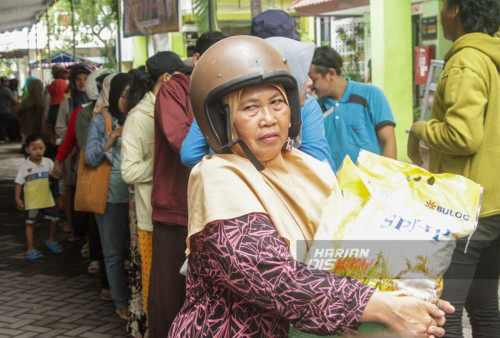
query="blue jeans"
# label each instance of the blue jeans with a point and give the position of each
(472, 281)
(115, 239)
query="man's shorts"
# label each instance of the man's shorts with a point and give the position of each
(51, 214)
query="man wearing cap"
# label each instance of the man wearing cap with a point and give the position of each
(173, 116)
(356, 115)
(311, 140)
(273, 22)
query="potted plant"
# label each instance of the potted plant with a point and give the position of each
(341, 33)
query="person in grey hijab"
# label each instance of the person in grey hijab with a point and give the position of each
(311, 139)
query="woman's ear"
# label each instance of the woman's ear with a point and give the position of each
(165, 77)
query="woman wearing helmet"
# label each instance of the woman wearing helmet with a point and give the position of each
(254, 205)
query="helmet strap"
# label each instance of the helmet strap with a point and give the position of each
(231, 142)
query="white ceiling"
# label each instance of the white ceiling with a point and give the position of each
(17, 14)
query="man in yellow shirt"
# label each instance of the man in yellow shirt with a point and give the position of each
(463, 136)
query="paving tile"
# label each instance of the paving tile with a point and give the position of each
(41, 309)
(59, 313)
(8, 319)
(66, 326)
(18, 312)
(46, 321)
(19, 324)
(94, 334)
(93, 322)
(77, 301)
(118, 332)
(31, 316)
(37, 329)
(78, 330)
(72, 318)
(27, 335)
(11, 332)
(52, 333)
(26, 305)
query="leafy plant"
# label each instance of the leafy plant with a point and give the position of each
(352, 69)
(341, 33)
(95, 21)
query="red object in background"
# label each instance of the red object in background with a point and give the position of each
(422, 60)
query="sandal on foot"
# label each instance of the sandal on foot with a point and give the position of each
(55, 247)
(34, 254)
(122, 313)
(106, 295)
(86, 252)
(94, 267)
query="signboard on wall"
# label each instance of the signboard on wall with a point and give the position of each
(429, 28)
(416, 9)
(146, 17)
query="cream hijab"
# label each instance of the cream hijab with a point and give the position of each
(290, 190)
(102, 99)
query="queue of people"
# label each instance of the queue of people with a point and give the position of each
(220, 170)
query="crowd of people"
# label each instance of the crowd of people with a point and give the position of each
(195, 245)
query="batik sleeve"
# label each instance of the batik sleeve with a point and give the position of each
(247, 256)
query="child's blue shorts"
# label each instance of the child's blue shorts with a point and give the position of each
(51, 214)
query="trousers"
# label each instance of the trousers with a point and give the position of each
(471, 281)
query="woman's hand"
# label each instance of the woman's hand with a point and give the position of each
(413, 147)
(445, 307)
(117, 132)
(112, 137)
(408, 316)
(56, 172)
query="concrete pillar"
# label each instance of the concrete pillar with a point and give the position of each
(140, 51)
(392, 61)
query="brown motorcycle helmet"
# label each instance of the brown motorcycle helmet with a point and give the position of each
(231, 64)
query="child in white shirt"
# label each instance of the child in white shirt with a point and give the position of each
(33, 176)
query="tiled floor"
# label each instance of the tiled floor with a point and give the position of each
(53, 296)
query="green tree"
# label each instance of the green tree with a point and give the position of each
(6, 67)
(95, 21)
(201, 14)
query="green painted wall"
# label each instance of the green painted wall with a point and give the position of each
(177, 44)
(392, 59)
(140, 51)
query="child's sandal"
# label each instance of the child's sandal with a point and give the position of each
(34, 254)
(55, 247)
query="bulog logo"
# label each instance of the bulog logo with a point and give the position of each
(447, 211)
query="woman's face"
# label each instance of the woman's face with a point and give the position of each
(80, 80)
(122, 101)
(262, 120)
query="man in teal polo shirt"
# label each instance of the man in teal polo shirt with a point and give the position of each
(356, 115)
